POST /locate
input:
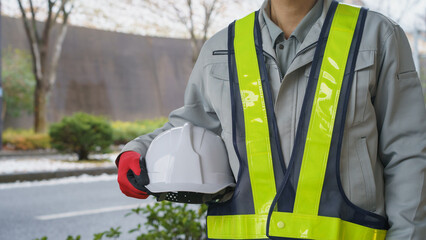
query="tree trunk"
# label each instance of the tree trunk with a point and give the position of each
(40, 104)
(196, 45)
(44, 68)
(83, 154)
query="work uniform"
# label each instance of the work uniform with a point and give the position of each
(383, 147)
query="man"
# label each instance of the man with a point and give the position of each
(372, 177)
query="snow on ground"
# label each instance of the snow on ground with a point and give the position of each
(67, 180)
(53, 163)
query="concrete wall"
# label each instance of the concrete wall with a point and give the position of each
(122, 76)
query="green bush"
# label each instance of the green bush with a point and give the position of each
(81, 133)
(123, 132)
(172, 221)
(25, 139)
(165, 221)
(112, 233)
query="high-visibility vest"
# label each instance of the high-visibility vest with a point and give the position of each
(305, 200)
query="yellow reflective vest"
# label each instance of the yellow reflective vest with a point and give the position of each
(305, 200)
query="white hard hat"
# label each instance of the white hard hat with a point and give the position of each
(188, 159)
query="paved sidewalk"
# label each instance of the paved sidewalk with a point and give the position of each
(35, 176)
(42, 165)
(7, 154)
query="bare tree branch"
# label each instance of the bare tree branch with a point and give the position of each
(61, 9)
(179, 15)
(186, 12)
(57, 45)
(33, 18)
(26, 24)
(208, 12)
(66, 14)
(48, 22)
(56, 54)
(34, 44)
(408, 5)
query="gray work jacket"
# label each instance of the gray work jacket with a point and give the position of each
(383, 159)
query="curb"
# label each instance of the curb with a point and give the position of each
(34, 176)
(49, 152)
(19, 154)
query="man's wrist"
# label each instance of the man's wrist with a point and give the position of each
(126, 154)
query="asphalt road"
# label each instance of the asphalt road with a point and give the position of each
(59, 210)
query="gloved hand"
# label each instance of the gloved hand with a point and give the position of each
(133, 175)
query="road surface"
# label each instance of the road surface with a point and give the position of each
(58, 209)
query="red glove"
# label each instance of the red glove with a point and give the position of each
(132, 175)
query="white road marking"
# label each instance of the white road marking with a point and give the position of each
(89, 212)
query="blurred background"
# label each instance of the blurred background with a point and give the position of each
(130, 60)
(70, 65)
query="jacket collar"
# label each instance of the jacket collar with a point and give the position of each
(302, 29)
(304, 54)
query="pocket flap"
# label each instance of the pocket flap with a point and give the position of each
(220, 71)
(407, 75)
(365, 59)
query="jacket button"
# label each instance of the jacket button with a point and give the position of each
(281, 46)
(280, 224)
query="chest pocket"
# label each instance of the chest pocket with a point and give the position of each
(363, 86)
(219, 93)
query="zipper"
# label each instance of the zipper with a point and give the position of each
(276, 62)
(305, 50)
